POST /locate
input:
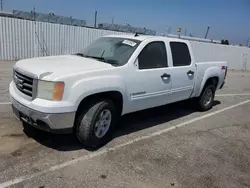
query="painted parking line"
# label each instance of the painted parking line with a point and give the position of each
(232, 94)
(106, 150)
(5, 103)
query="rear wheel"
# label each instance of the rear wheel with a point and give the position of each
(206, 99)
(95, 123)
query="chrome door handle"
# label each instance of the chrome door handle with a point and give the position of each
(190, 73)
(165, 76)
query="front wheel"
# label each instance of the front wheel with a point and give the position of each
(206, 99)
(95, 122)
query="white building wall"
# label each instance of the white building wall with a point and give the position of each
(21, 39)
(237, 57)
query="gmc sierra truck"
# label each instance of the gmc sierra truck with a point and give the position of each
(85, 93)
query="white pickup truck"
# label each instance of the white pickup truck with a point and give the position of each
(86, 92)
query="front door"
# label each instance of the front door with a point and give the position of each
(150, 83)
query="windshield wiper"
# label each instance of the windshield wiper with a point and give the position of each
(104, 60)
(80, 54)
(98, 58)
(94, 57)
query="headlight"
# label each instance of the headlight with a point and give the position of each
(50, 90)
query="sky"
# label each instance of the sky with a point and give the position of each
(227, 19)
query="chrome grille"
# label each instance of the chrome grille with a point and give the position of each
(23, 83)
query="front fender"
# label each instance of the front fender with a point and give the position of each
(93, 85)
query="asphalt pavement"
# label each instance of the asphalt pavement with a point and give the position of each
(169, 146)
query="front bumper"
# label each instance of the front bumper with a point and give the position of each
(51, 122)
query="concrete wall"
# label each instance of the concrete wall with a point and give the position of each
(237, 57)
(21, 39)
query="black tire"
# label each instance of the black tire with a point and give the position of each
(86, 123)
(202, 105)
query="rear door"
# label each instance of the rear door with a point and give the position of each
(182, 71)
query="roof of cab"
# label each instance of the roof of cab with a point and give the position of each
(144, 37)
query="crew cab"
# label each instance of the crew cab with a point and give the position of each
(86, 92)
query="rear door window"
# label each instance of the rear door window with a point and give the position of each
(180, 54)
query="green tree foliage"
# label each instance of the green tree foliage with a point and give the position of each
(226, 42)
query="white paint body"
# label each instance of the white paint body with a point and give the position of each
(84, 77)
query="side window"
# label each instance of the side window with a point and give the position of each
(180, 54)
(153, 55)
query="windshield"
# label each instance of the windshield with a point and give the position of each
(111, 50)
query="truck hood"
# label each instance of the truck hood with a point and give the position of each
(59, 65)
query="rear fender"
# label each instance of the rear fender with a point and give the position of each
(209, 73)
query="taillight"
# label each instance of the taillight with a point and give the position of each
(223, 67)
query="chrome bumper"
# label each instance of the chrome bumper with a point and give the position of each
(58, 123)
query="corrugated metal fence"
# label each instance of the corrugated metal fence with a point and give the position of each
(21, 39)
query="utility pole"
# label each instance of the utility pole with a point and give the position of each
(247, 44)
(168, 29)
(95, 18)
(34, 14)
(207, 32)
(185, 31)
(1, 5)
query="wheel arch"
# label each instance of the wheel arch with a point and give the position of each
(115, 96)
(214, 80)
